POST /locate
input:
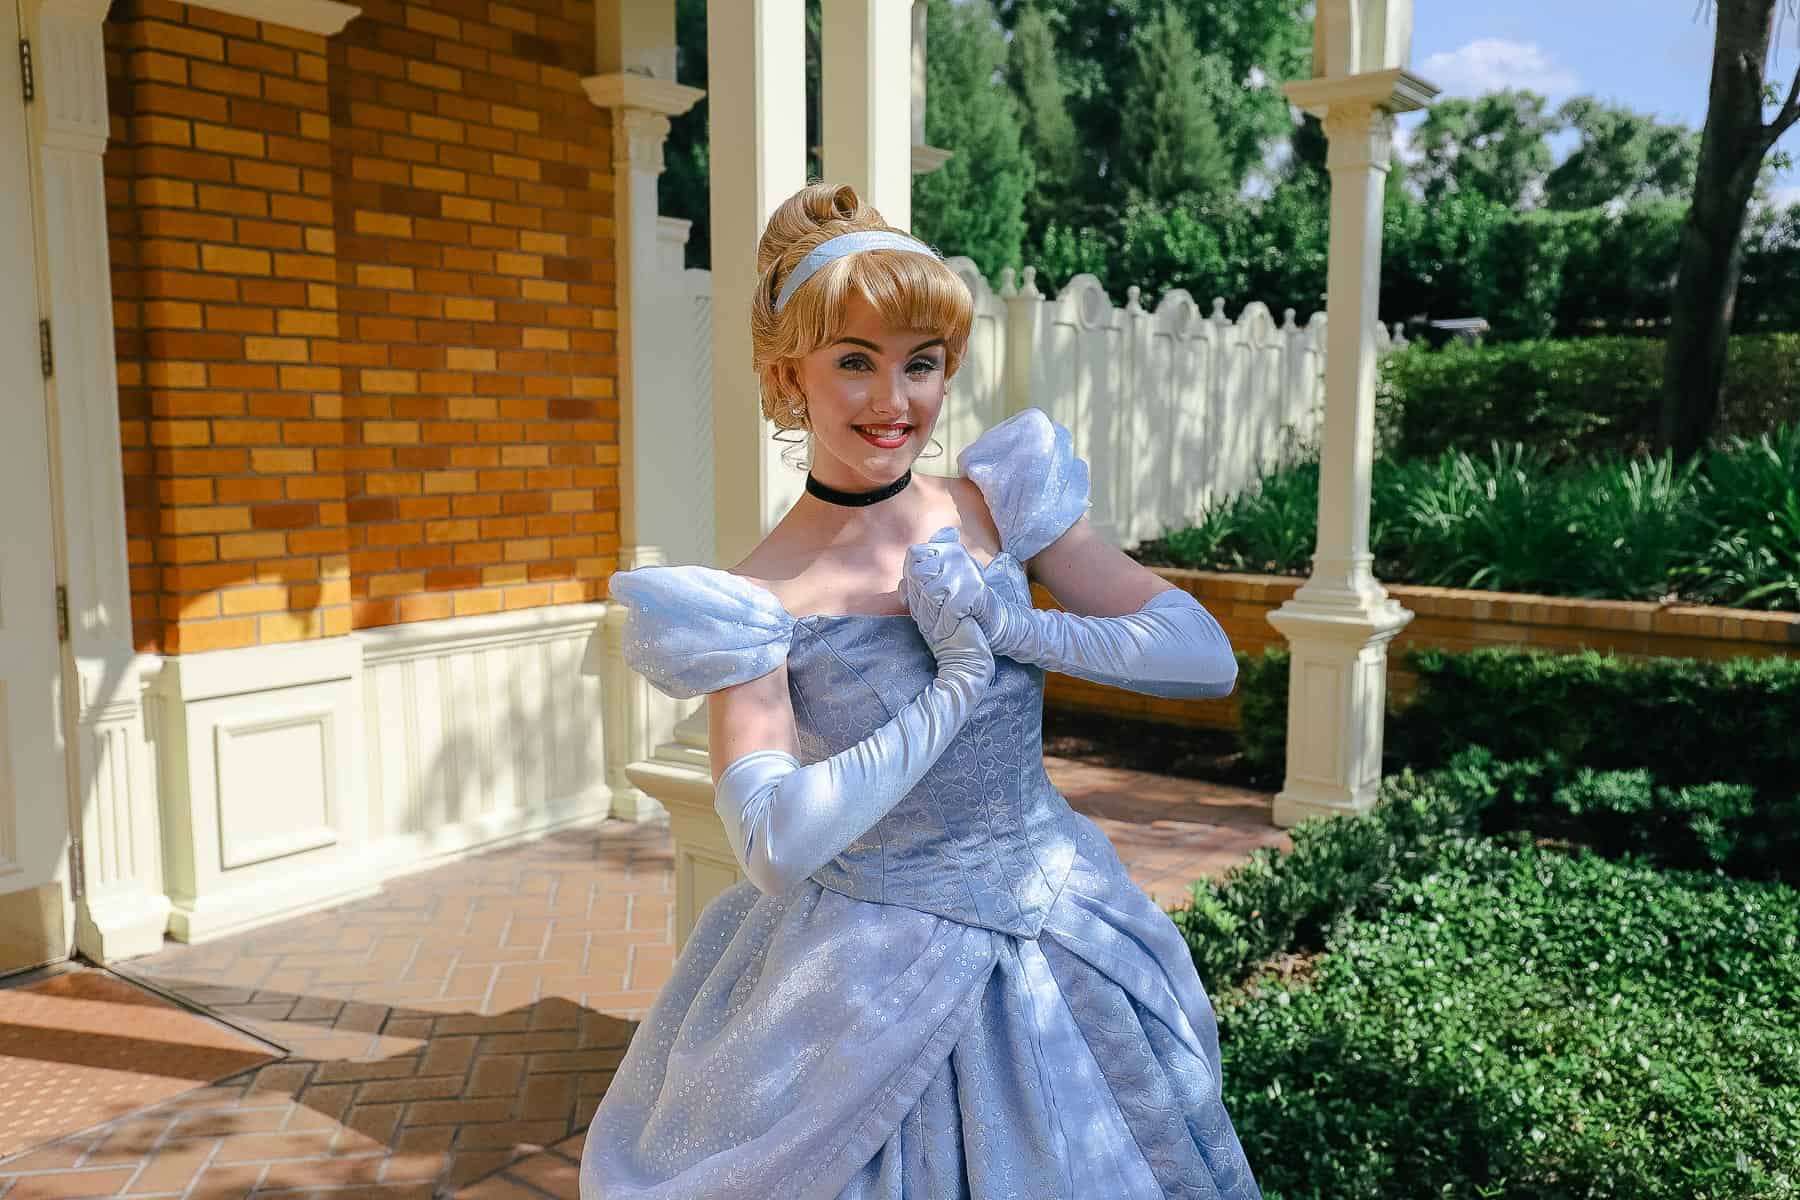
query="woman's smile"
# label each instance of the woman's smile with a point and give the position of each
(888, 437)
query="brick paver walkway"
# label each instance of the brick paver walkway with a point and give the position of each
(452, 1035)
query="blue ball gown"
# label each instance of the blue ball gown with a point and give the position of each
(970, 1000)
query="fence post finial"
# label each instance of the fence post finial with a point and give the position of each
(1029, 287)
(1007, 287)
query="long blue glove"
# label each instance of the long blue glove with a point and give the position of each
(1171, 647)
(785, 821)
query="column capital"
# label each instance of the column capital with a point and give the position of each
(1395, 90)
(628, 89)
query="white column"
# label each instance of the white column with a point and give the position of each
(657, 413)
(756, 52)
(925, 159)
(120, 906)
(1340, 622)
(866, 61)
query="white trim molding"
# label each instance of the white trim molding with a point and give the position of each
(299, 776)
(323, 17)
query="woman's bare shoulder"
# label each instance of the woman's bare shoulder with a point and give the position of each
(971, 516)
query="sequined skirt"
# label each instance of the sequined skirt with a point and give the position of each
(815, 1046)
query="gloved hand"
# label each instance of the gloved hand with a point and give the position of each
(1171, 647)
(785, 820)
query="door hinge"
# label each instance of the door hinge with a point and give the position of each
(62, 613)
(77, 868)
(46, 355)
(27, 79)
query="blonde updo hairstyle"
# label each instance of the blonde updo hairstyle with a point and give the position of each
(909, 290)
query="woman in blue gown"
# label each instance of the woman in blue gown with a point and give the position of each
(938, 980)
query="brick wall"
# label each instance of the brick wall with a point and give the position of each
(366, 317)
(1447, 619)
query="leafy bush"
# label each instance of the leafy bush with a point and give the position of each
(1725, 529)
(1516, 1023)
(1687, 721)
(1337, 870)
(1570, 399)
(1262, 692)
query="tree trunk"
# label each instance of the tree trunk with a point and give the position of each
(1732, 146)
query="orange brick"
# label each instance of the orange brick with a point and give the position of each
(276, 349)
(266, 598)
(369, 275)
(197, 636)
(252, 545)
(234, 260)
(279, 462)
(303, 322)
(178, 39)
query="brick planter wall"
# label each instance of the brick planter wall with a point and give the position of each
(1448, 619)
(365, 308)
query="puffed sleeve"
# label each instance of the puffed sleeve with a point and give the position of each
(1034, 484)
(695, 630)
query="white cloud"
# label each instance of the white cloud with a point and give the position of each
(1489, 64)
(1787, 194)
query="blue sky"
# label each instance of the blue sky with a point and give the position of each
(1650, 55)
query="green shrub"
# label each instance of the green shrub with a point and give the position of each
(1687, 721)
(1571, 399)
(1724, 529)
(1262, 692)
(1517, 1023)
(1275, 902)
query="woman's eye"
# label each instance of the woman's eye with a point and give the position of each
(853, 362)
(922, 366)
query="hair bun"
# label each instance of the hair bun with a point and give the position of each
(811, 215)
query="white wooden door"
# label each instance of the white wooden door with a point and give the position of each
(36, 917)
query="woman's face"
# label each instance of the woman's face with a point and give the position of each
(872, 399)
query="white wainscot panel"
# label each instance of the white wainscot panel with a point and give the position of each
(480, 730)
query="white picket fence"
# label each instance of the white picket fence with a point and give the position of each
(1173, 409)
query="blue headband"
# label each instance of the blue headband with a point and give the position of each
(847, 243)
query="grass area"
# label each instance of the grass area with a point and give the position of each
(1725, 529)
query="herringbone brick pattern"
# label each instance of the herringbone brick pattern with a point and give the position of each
(452, 1035)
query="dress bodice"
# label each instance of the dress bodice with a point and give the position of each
(984, 837)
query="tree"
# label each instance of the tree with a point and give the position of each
(1045, 126)
(1173, 151)
(1256, 44)
(1733, 145)
(1623, 156)
(1492, 146)
(975, 203)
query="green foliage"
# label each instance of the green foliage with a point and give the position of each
(1511, 1022)
(1572, 399)
(1493, 146)
(1622, 156)
(1688, 722)
(1046, 130)
(1262, 693)
(1291, 902)
(975, 203)
(1723, 529)
(1172, 146)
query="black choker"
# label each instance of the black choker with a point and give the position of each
(856, 499)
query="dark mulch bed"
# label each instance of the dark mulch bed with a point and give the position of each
(1107, 741)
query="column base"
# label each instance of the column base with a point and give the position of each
(1337, 698)
(112, 928)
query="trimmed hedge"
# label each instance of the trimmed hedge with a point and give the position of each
(1688, 721)
(1408, 1009)
(1691, 762)
(1518, 1023)
(1571, 399)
